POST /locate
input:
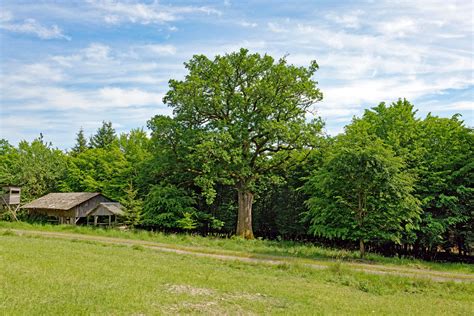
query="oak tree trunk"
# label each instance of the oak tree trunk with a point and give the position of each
(244, 219)
(362, 248)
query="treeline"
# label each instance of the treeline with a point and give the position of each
(239, 157)
(413, 176)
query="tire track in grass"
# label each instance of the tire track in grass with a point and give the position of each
(438, 276)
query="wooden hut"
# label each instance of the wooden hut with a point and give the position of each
(66, 208)
(111, 211)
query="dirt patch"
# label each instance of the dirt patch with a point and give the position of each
(208, 308)
(218, 303)
(188, 289)
(199, 291)
(245, 296)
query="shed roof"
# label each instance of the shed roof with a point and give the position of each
(60, 201)
(114, 208)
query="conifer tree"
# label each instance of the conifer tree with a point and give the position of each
(132, 207)
(104, 137)
(81, 143)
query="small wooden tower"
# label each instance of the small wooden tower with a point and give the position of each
(10, 195)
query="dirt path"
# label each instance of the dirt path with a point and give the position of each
(252, 258)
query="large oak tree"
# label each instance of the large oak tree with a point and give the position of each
(247, 113)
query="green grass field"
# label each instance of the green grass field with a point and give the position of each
(246, 247)
(44, 276)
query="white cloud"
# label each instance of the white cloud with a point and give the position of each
(455, 106)
(135, 13)
(462, 105)
(404, 50)
(127, 97)
(51, 97)
(35, 74)
(95, 79)
(5, 16)
(96, 55)
(97, 51)
(348, 20)
(275, 27)
(421, 50)
(161, 49)
(400, 27)
(145, 13)
(30, 26)
(112, 19)
(248, 24)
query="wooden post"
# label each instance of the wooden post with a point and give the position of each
(110, 220)
(95, 220)
(87, 220)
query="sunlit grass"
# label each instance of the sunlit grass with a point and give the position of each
(256, 247)
(42, 276)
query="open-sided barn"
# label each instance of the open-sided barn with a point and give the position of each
(75, 207)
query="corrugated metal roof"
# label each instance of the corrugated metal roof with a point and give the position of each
(60, 201)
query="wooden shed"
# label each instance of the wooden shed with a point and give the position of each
(66, 208)
(111, 211)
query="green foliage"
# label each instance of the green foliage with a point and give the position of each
(246, 113)
(438, 152)
(249, 114)
(446, 183)
(136, 148)
(170, 144)
(81, 143)
(361, 192)
(187, 222)
(165, 205)
(111, 167)
(36, 167)
(132, 207)
(240, 131)
(280, 210)
(104, 137)
(102, 170)
(398, 127)
(172, 208)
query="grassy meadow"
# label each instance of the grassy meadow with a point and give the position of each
(248, 248)
(73, 277)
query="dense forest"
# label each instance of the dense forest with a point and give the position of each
(240, 156)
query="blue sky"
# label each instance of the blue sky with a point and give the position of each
(72, 64)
